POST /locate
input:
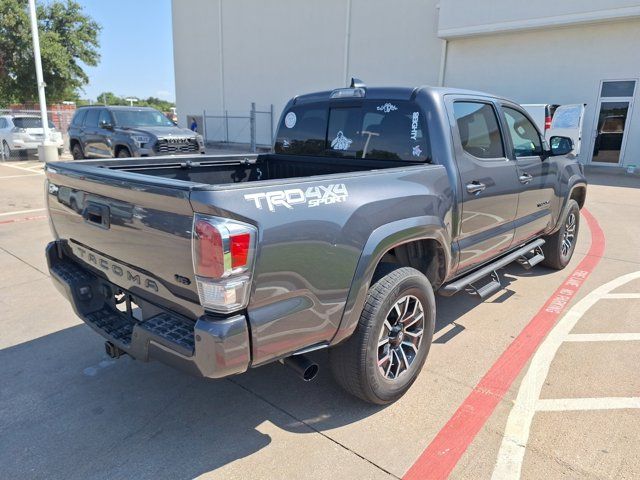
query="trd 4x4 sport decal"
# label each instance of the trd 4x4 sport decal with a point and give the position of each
(312, 197)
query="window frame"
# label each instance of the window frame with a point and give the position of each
(499, 122)
(512, 148)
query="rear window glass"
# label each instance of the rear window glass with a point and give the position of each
(29, 122)
(92, 117)
(79, 117)
(380, 130)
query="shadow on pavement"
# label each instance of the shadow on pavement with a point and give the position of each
(67, 411)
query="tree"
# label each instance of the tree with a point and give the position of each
(112, 99)
(68, 42)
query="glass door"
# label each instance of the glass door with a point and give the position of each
(614, 108)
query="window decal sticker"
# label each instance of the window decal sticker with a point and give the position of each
(290, 120)
(417, 151)
(286, 143)
(341, 142)
(414, 125)
(387, 107)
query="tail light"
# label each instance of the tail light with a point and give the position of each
(223, 252)
(547, 122)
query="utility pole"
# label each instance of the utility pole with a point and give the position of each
(48, 151)
(131, 100)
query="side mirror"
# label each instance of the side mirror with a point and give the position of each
(106, 125)
(560, 146)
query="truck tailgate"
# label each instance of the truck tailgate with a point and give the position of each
(134, 231)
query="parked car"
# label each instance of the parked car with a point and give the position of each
(113, 131)
(22, 133)
(373, 200)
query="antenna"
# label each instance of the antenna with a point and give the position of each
(357, 83)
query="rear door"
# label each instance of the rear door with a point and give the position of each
(536, 175)
(567, 122)
(489, 182)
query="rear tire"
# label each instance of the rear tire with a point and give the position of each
(76, 152)
(376, 363)
(559, 247)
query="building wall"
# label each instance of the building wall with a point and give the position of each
(471, 17)
(562, 65)
(267, 52)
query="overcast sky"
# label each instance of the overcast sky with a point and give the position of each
(136, 48)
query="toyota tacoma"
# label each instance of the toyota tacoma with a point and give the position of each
(372, 201)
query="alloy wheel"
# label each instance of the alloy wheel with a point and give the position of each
(569, 234)
(400, 338)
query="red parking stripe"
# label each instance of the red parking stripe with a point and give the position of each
(24, 219)
(443, 453)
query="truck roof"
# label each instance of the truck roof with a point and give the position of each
(399, 93)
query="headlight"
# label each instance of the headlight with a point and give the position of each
(140, 140)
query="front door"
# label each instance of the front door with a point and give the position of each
(537, 176)
(612, 121)
(489, 183)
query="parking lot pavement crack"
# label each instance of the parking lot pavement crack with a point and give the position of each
(24, 261)
(333, 440)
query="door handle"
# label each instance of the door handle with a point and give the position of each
(525, 178)
(475, 187)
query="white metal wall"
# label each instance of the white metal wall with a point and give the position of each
(229, 53)
(563, 65)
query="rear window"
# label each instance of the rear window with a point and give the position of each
(29, 122)
(92, 117)
(78, 118)
(381, 130)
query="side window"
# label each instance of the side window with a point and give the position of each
(3, 123)
(78, 118)
(479, 131)
(92, 117)
(105, 117)
(525, 137)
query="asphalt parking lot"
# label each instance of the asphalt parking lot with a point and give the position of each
(539, 381)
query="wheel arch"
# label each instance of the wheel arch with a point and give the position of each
(402, 243)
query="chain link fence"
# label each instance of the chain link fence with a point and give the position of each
(19, 142)
(254, 128)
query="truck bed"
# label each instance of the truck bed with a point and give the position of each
(228, 169)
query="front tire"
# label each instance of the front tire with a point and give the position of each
(124, 153)
(385, 354)
(559, 247)
(76, 152)
(6, 150)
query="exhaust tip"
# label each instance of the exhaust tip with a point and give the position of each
(310, 373)
(302, 366)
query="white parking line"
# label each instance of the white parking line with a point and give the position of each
(516, 434)
(602, 403)
(6, 214)
(602, 337)
(21, 176)
(19, 168)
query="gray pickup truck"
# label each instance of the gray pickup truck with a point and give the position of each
(372, 200)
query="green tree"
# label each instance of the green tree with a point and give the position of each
(111, 98)
(68, 43)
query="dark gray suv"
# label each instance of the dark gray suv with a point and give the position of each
(106, 132)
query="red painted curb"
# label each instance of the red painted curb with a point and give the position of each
(445, 450)
(25, 219)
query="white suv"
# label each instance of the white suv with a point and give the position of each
(23, 133)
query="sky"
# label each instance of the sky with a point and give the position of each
(136, 47)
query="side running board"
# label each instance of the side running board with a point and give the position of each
(527, 256)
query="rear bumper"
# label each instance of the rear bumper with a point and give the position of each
(211, 347)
